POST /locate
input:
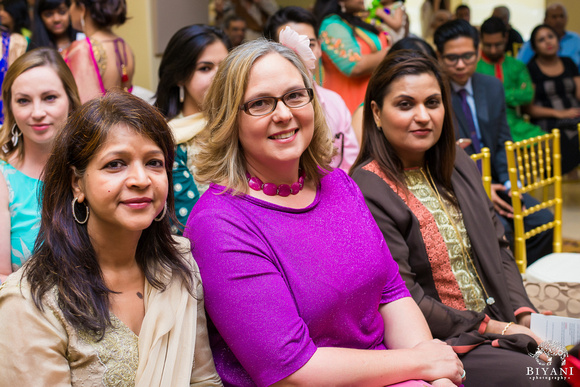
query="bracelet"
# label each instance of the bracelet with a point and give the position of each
(551, 349)
(506, 328)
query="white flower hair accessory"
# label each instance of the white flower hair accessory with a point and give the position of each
(300, 44)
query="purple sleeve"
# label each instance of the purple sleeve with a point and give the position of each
(246, 296)
(395, 287)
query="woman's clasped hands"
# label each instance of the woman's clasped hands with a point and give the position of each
(439, 363)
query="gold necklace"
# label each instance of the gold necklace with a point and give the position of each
(466, 256)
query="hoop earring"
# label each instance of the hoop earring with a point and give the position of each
(162, 214)
(181, 94)
(74, 201)
(16, 133)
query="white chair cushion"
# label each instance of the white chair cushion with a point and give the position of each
(555, 267)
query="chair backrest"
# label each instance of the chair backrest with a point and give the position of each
(532, 164)
(485, 157)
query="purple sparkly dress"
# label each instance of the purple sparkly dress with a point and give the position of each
(280, 282)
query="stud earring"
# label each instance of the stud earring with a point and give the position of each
(74, 201)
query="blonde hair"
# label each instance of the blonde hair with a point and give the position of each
(221, 157)
(36, 58)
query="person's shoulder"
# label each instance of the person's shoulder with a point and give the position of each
(368, 174)
(17, 287)
(359, 169)
(5, 165)
(517, 36)
(573, 36)
(16, 38)
(76, 47)
(461, 157)
(336, 176)
(214, 200)
(217, 203)
(568, 62)
(184, 248)
(486, 81)
(331, 19)
(514, 62)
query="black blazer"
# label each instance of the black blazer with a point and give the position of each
(490, 104)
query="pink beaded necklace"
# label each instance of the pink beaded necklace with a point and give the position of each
(272, 189)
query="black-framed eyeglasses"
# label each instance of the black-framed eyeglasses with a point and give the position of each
(265, 105)
(467, 58)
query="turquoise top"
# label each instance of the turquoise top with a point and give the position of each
(340, 44)
(23, 193)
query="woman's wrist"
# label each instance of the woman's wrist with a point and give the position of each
(495, 327)
(505, 329)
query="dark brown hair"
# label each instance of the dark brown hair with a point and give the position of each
(375, 146)
(105, 13)
(64, 256)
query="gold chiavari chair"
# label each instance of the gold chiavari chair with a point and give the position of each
(534, 164)
(485, 157)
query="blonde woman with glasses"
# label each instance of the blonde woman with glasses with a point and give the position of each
(299, 283)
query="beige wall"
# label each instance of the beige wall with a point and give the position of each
(138, 33)
(147, 26)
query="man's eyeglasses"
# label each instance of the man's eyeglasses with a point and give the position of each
(266, 105)
(467, 58)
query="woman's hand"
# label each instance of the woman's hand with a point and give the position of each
(516, 329)
(497, 327)
(568, 113)
(524, 319)
(440, 361)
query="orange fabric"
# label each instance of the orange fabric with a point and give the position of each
(523, 309)
(351, 89)
(483, 325)
(445, 281)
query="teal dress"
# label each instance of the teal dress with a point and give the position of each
(23, 193)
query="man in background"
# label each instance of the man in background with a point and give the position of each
(479, 111)
(514, 39)
(235, 29)
(463, 12)
(517, 84)
(557, 17)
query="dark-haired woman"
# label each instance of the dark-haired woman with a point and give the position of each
(187, 68)
(557, 97)
(102, 60)
(15, 17)
(52, 26)
(351, 48)
(427, 197)
(109, 297)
